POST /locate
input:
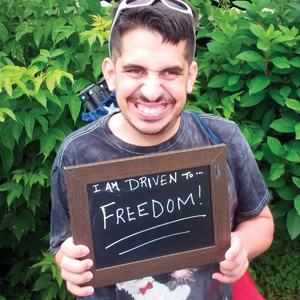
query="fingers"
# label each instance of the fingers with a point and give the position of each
(72, 250)
(235, 264)
(75, 269)
(79, 291)
(75, 266)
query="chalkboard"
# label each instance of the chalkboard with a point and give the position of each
(151, 214)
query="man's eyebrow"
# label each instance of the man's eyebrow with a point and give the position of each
(175, 69)
(132, 66)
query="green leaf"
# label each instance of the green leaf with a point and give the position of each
(98, 58)
(281, 209)
(252, 100)
(7, 159)
(249, 56)
(217, 48)
(37, 35)
(293, 223)
(243, 4)
(297, 204)
(258, 84)
(57, 52)
(16, 129)
(9, 142)
(80, 84)
(295, 62)
(292, 156)
(296, 181)
(13, 194)
(64, 32)
(287, 193)
(233, 79)
(3, 33)
(295, 78)
(293, 104)
(218, 81)
(280, 62)
(275, 94)
(48, 143)
(8, 86)
(284, 125)
(23, 29)
(41, 98)
(276, 146)
(51, 291)
(297, 131)
(8, 112)
(75, 106)
(285, 91)
(43, 282)
(50, 81)
(277, 170)
(29, 124)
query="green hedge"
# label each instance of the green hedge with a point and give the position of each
(248, 72)
(50, 51)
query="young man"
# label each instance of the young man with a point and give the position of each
(151, 69)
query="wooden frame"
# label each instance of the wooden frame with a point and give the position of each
(82, 176)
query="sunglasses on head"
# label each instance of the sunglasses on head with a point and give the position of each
(173, 4)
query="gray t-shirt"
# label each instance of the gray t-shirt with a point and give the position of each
(247, 196)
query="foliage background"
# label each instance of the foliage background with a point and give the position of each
(249, 65)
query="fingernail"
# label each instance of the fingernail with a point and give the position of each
(213, 276)
(89, 277)
(90, 291)
(85, 251)
(90, 264)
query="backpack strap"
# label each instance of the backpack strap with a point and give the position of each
(206, 128)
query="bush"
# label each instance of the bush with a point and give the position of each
(275, 269)
(49, 53)
(249, 72)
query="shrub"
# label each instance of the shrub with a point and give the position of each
(249, 72)
(50, 51)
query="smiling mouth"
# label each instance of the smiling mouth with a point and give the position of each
(151, 110)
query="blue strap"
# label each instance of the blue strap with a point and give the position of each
(206, 128)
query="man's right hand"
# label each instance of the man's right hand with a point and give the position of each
(74, 270)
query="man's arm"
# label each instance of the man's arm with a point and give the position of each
(74, 270)
(251, 238)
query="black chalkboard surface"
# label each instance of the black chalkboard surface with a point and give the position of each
(151, 214)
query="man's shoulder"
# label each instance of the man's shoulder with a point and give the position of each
(85, 135)
(220, 126)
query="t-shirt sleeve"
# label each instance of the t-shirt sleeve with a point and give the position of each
(60, 217)
(252, 193)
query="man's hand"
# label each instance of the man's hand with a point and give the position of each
(74, 270)
(235, 264)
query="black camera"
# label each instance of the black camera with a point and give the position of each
(93, 95)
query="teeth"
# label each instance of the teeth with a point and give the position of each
(152, 110)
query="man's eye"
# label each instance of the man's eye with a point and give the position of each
(135, 71)
(169, 74)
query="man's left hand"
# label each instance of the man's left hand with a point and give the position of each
(235, 264)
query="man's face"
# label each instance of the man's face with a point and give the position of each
(151, 79)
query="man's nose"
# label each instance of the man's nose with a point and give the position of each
(151, 88)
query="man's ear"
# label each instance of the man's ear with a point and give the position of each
(193, 71)
(108, 69)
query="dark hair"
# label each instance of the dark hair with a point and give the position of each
(173, 26)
